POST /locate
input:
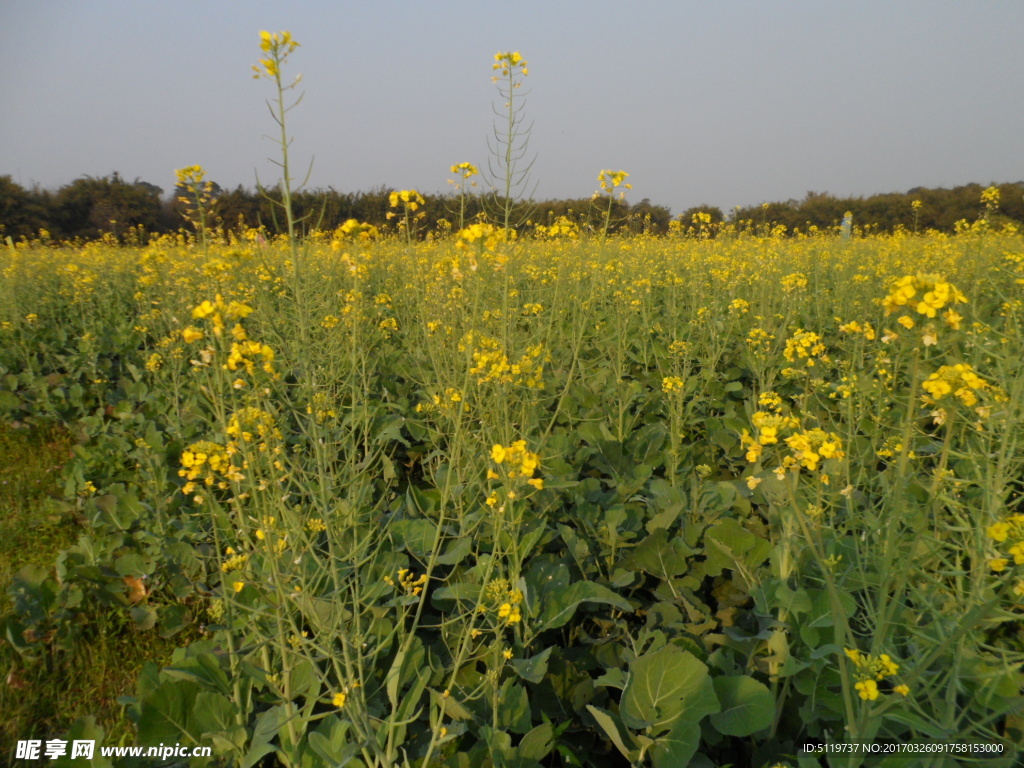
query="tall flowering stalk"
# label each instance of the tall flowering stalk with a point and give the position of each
(508, 169)
(465, 171)
(197, 198)
(277, 47)
(613, 184)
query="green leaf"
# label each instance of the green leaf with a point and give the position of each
(513, 707)
(677, 747)
(144, 616)
(455, 551)
(537, 744)
(328, 741)
(919, 724)
(730, 545)
(560, 605)
(533, 669)
(616, 731)
(256, 753)
(795, 601)
(747, 705)
(84, 728)
(450, 706)
(164, 713)
(660, 557)
(8, 402)
(416, 536)
(304, 679)
(269, 723)
(664, 687)
(212, 713)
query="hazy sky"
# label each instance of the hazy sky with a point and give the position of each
(729, 103)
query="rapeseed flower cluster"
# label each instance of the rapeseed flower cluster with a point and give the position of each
(408, 581)
(502, 599)
(353, 229)
(517, 461)
(806, 346)
(450, 401)
(926, 294)
(612, 180)
(465, 171)
(254, 425)
(321, 408)
(208, 463)
(233, 560)
(199, 193)
(340, 699)
(1009, 531)
(770, 400)
(278, 46)
(491, 364)
(960, 380)
(858, 329)
(218, 311)
(808, 448)
(245, 355)
(485, 235)
(759, 341)
(409, 199)
(794, 282)
(509, 61)
(739, 307)
(561, 228)
(871, 670)
(671, 384)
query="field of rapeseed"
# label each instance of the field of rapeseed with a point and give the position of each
(571, 500)
(475, 500)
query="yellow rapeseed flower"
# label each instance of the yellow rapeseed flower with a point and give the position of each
(867, 689)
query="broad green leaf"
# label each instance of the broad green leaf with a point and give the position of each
(730, 545)
(416, 536)
(616, 731)
(747, 705)
(450, 706)
(256, 753)
(560, 605)
(133, 565)
(794, 601)
(84, 728)
(144, 616)
(660, 556)
(164, 713)
(330, 743)
(537, 744)
(304, 679)
(513, 707)
(675, 748)
(212, 712)
(269, 723)
(664, 687)
(534, 668)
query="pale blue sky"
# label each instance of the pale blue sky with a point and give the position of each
(729, 103)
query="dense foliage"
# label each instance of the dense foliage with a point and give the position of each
(669, 501)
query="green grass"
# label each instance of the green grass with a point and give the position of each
(46, 698)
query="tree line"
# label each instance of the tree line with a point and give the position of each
(91, 207)
(918, 209)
